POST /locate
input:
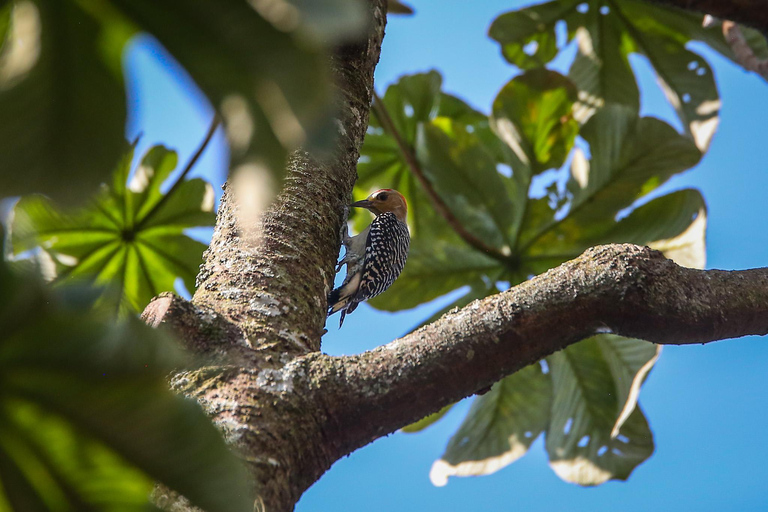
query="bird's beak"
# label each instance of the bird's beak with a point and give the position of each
(365, 203)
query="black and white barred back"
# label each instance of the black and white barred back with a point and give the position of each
(385, 253)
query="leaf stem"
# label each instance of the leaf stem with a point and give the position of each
(215, 122)
(381, 113)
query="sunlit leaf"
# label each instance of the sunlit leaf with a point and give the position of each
(463, 173)
(130, 237)
(527, 36)
(601, 68)
(630, 157)
(607, 33)
(532, 114)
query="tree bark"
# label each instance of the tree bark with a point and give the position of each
(753, 13)
(261, 300)
(258, 315)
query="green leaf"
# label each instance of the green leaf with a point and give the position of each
(464, 175)
(607, 33)
(685, 77)
(601, 68)
(427, 421)
(630, 158)
(263, 66)
(629, 361)
(87, 421)
(586, 386)
(130, 237)
(499, 428)
(527, 36)
(56, 136)
(532, 114)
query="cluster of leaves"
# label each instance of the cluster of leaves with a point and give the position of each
(129, 239)
(87, 421)
(559, 165)
(261, 64)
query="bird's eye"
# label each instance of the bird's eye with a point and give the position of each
(382, 196)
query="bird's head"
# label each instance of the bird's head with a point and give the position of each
(385, 200)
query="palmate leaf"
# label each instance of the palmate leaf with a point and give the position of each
(87, 421)
(459, 154)
(130, 238)
(607, 32)
(261, 64)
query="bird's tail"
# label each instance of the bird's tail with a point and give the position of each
(341, 300)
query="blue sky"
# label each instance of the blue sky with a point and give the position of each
(707, 405)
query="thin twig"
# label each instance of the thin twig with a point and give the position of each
(380, 110)
(741, 50)
(215, 122)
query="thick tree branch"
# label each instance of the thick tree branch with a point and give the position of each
(741, 50)
(623, 289)
(753, 13)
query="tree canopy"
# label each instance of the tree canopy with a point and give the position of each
(556, 164)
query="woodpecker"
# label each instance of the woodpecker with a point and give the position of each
(376, 256)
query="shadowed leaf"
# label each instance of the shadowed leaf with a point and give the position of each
(87, 421)
(56, 136)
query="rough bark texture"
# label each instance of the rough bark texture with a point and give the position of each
(257, 317)
(261, 300)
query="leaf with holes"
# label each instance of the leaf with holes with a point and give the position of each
(499, 428)
(527, 36)
(607, 33)
(130, 238)
(87, 421)
(586, 442)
